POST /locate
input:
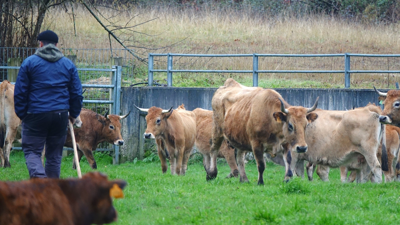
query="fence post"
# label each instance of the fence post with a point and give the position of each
(151, 66)
(13, 73)
(255, 70)
(346, 70)
(115, 62)
(117, 104)
(169, 73)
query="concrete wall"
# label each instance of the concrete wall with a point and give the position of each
(134, 125)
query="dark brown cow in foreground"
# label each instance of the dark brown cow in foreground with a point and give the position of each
(257, 119)
(63, 202)
(173, 130)
(94, 130)
(342, 138)
(204, 122)
(9, 121)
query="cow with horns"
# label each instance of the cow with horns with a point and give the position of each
(175, 134)
(94, 130)
(256, 119)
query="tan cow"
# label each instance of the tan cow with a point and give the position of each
(9, 121)
(256, 119)
(341, 138)
(203, 142)
(173, 130)
(94, 130)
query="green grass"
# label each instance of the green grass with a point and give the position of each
(155, 198)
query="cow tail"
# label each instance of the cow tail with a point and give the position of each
(384, 157)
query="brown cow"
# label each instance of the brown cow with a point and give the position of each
(341, 138)
(94, 130)
(174, 130)
(203, 142)
(64, 202)
(391, 111)
(9, 121)
(256, 119)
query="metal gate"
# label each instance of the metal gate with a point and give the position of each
(104, 95)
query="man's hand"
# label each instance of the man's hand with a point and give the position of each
(72, 119)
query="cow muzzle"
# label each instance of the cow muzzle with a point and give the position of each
(301, 149)
(385, 119)
(119, 142)
(148, 136)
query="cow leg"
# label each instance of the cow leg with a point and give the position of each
(240, 162)
(80, 154)
(90, 158)
(290, 162)
(230, 158)
(185, 161)
(206, 161)
(373, 163)
(258, 153)
(10, 136)
(160, 151)
(323, 172)
(1, 157)
(343, 174)
(310, 170)
(216, 144)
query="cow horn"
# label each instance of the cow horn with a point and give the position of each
(165, 111)
(283, 107)
(124, 116)
(106, 114)
(142, 109)
(314, 106)
(380, 93)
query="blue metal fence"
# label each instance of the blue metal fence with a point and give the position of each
(255, 70)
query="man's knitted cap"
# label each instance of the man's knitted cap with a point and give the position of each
(48, 36)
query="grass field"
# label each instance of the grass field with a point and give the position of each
(155, 198)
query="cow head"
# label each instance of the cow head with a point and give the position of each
(99, 196)
(111, 130)
(295, 119)
(156, 120)
(391, 111)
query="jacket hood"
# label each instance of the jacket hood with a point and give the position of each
(49, 52)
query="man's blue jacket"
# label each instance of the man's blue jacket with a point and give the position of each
(46, 82)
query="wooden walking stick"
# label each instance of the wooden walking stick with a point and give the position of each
(78, 167)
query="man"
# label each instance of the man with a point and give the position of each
(47, 88)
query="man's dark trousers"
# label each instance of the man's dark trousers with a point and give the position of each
(44, 129)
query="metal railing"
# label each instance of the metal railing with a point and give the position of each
(256, 71)
(115, 99)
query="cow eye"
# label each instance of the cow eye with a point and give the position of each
(111, 127)
(158, 121)
(290, 127)
(396, 104)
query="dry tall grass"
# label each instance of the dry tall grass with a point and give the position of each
(230, 32)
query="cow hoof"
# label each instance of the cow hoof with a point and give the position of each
(7, 164)
(211, 177)
(94, 166)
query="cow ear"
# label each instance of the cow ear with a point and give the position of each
(279, 117)
(168, 114)
(381, 99)
(311, 117)
(116, 188)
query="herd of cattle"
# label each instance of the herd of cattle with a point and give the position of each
(244, 119)
(363, 140)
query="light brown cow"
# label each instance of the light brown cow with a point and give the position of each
(203, 142)
(60, 201)
(94, 130)
(174, 130)
(341, 138)
(256, 119)
(9, 121)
